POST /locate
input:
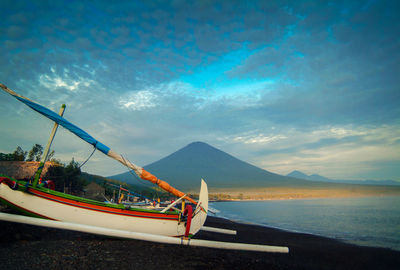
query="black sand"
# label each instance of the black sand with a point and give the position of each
(30, 247)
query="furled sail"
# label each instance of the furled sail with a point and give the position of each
(142, 173)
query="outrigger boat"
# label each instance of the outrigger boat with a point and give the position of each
(39, 201)
(60, 210)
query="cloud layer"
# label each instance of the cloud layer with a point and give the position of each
(286, 85)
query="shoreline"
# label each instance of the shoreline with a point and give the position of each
(304, 198)
(279, 193)
(29, 247)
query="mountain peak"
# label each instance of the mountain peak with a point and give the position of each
(312, 177)
(198, 145)
(298, 174)
(185, 167)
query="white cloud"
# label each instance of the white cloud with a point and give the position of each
(138, 101)
(338, 152)
(337, 161)
(258, 138)
(53, 80)
(339, 132)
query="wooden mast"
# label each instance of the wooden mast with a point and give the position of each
(47, 149)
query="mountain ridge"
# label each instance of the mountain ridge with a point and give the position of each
(316, 177)
(185, 167)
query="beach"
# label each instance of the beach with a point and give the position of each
(30, 247)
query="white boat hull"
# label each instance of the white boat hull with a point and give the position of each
(57, 208)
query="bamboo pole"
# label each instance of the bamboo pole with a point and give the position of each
(140, 236)
(218, 230)
(47, 149)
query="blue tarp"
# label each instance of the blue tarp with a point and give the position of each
(62, 122)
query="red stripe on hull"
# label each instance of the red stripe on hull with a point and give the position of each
(109, 210)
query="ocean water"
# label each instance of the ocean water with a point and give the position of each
(369, 221)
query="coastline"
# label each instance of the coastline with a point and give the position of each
(302, 198)
(30, 247)
(366, 221)
(281, 193)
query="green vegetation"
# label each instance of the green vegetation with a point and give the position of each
(17, 155)
(68, 178)
(221, 197)
(110, 186)
(35, 154)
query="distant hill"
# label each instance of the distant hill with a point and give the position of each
(101, 180)
(184, 169)
(312, 177)
(319, 178)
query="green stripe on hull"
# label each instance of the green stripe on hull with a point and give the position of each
(93, 202)
(19, 209)
(22, 186)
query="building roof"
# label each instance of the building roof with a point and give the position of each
(22, 169)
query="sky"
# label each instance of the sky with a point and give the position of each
(284, 85)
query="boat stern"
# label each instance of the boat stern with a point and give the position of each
(201, 210)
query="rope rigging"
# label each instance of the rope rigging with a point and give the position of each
(94, 150)
(79, 167)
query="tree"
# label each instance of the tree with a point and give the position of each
(6, 157)
(35, 153)
(73, 181)
(108, 191)
(57, 175)
(50, 155)
(19, 154)
(67, 177)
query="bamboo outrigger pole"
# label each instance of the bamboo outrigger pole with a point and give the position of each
(140, 236)
(47, 149)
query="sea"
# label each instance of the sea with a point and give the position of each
(365, 221)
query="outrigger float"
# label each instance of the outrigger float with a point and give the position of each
(43, 206)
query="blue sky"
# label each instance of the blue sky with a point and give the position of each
(285, 85)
